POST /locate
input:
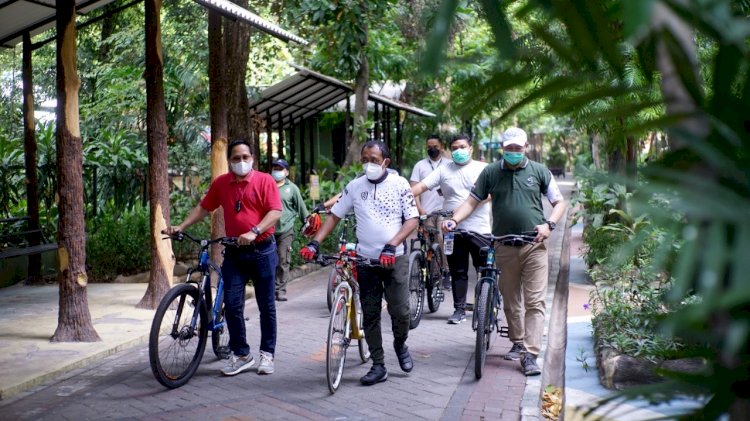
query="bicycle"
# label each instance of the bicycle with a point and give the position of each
(345, 322)
(177, 339)
(333, 278)
(426, 270)
(487, 298)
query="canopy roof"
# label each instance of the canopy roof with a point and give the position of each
(36, 16)
(307, 93)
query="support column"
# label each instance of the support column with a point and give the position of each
(376, 130)
(399, 141)
(311, 131)
(281, 136)
(303, 165)
(269, 141)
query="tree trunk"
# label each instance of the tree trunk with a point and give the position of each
(29, 150)
(74, 320)
(237, 52)
(596, 143)
(218, 111)
(361, 89)
(162, 258)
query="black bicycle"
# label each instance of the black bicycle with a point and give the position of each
(185, 315)
(426, 270)
(487, 298)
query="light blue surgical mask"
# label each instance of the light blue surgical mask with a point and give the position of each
(513, 158)
(278, 175)
(461, 156)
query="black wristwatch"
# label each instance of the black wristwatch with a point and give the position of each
(551, 225)
(257, 231)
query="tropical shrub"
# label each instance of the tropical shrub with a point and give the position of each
(119, 244)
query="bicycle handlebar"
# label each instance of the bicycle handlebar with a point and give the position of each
(525, 237)
(443, 213)
(180, 236)
(326, 259)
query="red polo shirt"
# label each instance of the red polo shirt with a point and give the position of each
(257, 193)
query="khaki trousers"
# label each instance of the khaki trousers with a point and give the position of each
(523, 283)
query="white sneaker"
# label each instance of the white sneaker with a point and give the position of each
(266, 363)
(237, 365)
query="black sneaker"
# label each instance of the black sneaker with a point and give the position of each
(447, 281)
(515, 352)
(404, 358)
(458, 316)
(528, 364)
(377, 374)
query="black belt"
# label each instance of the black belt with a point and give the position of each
(256, 244)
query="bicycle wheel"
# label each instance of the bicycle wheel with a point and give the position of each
(435, 280)
(364, 352)
(482, 312)
(333, 281)
(338, 341)
(417, 274)
(220, 334)
(174, 348)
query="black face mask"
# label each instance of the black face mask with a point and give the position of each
(433, 152)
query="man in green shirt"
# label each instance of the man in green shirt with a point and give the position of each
(293, 207)
(516, 186)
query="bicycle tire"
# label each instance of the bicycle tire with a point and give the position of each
(482, 312)
(417, 273)
(333, 281)
(220, 335)
(364, 351)
(339, 332)
(435, 281)
(174, 351)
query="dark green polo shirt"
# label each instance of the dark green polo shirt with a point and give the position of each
(293, 206)
(516, 195)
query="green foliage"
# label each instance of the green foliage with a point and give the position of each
(119, 244)
(627, 307)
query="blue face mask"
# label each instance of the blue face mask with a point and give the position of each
(513, 158)
(278, 175)
(461, 156)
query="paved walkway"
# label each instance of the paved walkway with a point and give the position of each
(112, 379)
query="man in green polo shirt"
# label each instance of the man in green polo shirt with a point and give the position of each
(516, 185)
(293, 207)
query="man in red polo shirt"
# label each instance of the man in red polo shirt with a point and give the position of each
(252, 207)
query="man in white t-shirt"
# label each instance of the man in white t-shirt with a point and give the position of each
(431, 200)
(456, 179)
(386, 214)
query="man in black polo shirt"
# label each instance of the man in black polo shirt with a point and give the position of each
(516, 185)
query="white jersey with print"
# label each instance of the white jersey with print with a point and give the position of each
(456, 182)
(431, 200)
(380, 209)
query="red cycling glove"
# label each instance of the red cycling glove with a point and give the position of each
(388, 256)
(310, 251)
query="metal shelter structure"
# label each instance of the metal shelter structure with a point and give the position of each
(292, 105)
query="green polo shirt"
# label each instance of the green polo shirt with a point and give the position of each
(293, 206)
(516, 195)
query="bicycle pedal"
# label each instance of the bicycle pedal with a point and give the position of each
(440, 295)
(503, 331)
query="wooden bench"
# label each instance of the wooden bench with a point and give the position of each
(15, 239)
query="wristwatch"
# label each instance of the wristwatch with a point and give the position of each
(257, 231)
(551, 225)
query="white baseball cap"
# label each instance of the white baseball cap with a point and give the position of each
(514, 136)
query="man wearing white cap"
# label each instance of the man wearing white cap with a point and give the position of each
(516, 185)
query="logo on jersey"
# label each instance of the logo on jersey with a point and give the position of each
(364, 195)
(530, 181)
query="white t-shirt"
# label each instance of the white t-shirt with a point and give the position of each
(431, 200)
(456, 182)
(380, 209)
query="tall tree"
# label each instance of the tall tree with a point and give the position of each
(162, 262)
(218, 111)
(29, 150)
(74, 319)
(237, 52)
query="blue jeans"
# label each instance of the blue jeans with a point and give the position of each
(259, 264)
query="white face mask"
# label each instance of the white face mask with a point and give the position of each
(373, 171)
(242, 168)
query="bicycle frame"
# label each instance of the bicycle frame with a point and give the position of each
(489, 274)
(346, 267)
(204, 267)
